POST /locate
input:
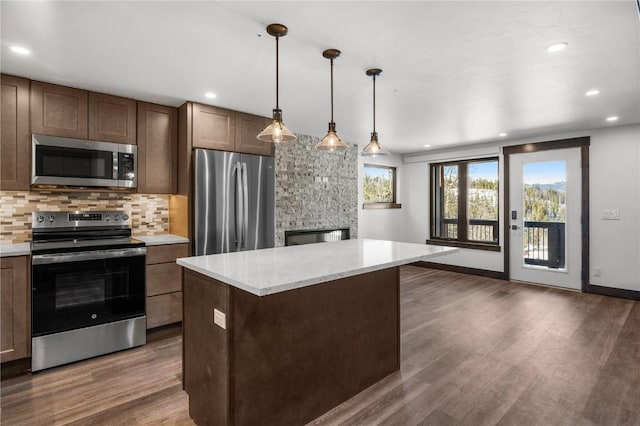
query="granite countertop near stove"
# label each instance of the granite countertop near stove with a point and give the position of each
(17, 249)
(159, 240)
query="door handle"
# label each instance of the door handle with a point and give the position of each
(245, 205)
(239, 206)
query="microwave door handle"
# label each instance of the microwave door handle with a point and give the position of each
(238, 206)
(245, 202)
(115, 166)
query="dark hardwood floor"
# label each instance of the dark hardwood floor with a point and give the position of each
(474, 351)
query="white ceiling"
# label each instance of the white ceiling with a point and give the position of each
(454, 72)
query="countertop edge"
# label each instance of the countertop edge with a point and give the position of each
(292, 285)
(14, 250)
(161, 239)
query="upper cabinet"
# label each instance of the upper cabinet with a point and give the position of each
(209, 127)
(112, 119)
(213, 128)
(74, 113)
(157, 149)
(15, 139)
(58, 110)
(248, 127)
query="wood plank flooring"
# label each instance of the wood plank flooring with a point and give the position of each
(474, 351)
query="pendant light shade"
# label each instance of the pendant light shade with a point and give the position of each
(374, 149)
(331, 142)
(277, 132)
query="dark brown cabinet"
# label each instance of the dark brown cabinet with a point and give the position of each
(15, 138)
(209, 127)
(15, 324)
(248, 126)
(157, 149)
(213, 128)
(164, 284)
(58, 110)
(112, 119)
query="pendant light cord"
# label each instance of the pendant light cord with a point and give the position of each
(277, 75)
(332, 90)
(374, 104)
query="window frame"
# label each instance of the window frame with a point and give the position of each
(377, 204)
(463, 201)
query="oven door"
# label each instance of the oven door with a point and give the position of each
(75, 290)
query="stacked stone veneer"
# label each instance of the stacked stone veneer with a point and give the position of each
(314, 189)
(149, 212)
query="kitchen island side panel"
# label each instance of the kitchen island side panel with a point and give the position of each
(288, 357)
(205, 368)
(299, 353)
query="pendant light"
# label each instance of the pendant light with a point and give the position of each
(373, 149)
(331, 142)
(277, 132)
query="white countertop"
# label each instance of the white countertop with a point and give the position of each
(159, 240)
(273, 270)
(18, 249)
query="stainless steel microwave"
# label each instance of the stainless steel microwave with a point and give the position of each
(77, 162)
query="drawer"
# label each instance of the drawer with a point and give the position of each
(163, 278)
(166, 253)
(164, 309)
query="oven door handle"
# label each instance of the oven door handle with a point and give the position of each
(47, 259)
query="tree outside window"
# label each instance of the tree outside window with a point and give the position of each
(379, 187)
(464, 203)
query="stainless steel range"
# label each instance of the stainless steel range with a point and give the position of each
(87, 286)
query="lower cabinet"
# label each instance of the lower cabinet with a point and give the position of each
(15, 308)
(164, 284)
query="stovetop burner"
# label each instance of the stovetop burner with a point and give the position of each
(62, 232)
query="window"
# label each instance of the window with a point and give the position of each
(464, 204)
(379, 187)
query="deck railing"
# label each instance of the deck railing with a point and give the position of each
(479, 229)
(544, 244)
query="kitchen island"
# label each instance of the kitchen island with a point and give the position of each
(282, 335)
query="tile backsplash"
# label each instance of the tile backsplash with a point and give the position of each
(149, 212)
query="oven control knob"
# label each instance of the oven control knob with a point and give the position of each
(107, 217)
(52, 218)
(125, 217)
(94, 316)
(116, 217)
(40, 218)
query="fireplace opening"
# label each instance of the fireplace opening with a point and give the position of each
(311, 236)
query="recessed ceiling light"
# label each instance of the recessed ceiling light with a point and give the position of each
(427, 146)
(20, 50)
(210, 95)
(593, 92)
(556, 47)
(502, 135)
(612, 118)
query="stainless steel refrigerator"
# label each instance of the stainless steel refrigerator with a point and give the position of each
(234, 202)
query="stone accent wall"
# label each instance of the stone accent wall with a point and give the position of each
(149, 212)
(314, 189)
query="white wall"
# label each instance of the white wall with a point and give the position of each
(382, 224)
(614, 184)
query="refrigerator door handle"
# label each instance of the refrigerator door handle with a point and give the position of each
(239, 207)
(245, 203)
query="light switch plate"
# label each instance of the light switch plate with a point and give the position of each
(608, 214)
(220, 319)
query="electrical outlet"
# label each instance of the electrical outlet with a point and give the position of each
(220, 319)
(596, 271)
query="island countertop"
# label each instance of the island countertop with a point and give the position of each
(274, 270)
